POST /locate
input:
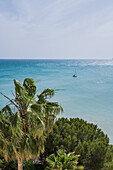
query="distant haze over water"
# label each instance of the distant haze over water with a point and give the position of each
(89, 96)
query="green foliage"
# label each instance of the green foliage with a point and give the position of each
(108, 165)
(30, 87)
(86, 139)
(27, 165)
(63, 161)
(11, 165)
(50, 109)
(109, 154)
(10, 132)
(23, 128)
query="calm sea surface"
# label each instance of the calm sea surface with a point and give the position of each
(89, 96)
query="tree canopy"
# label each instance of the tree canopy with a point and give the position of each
(84, 138)
(24, 125)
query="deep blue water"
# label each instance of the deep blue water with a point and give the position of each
(89, 96)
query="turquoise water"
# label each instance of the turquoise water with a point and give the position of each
(89, 96)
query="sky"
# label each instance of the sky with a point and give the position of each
(56, 29)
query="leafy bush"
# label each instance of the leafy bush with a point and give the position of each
(63, 161)
(85, 139)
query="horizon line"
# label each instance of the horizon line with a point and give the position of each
(56, 59)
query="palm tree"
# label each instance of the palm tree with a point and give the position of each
(23, 125)
(63, 161)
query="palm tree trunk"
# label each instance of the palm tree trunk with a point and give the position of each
(20, 164)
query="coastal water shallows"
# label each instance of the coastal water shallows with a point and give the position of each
(88, 96)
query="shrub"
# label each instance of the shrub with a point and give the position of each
(85, 139)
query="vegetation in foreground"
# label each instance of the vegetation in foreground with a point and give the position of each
(26, 129)
(24, 126)
(85, 139)
(63, 161)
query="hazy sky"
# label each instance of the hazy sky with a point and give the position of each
(56, 29)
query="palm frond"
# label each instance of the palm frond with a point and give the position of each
(30, 87)
(47, 93)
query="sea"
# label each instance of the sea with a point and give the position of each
(88, 96)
